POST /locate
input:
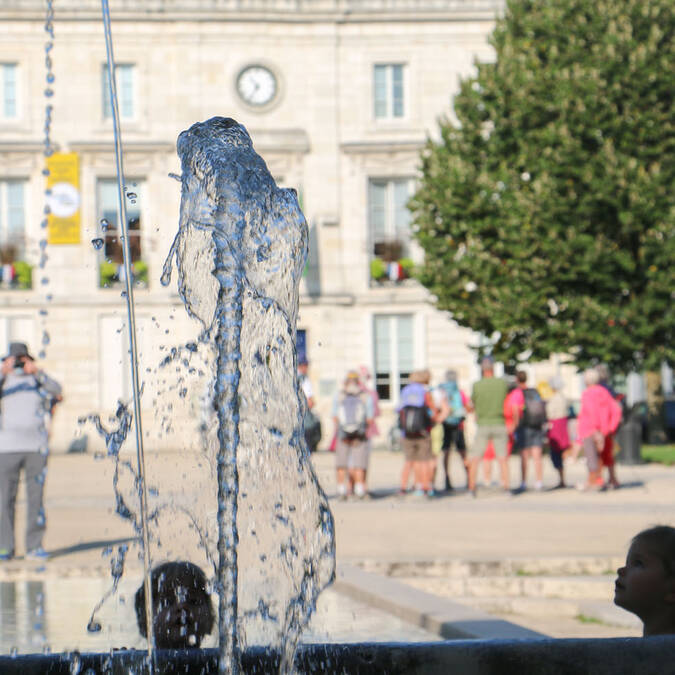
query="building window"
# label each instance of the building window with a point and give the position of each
(124, 74)
(394, 349)
(15, 272)
(111, 267)
(8, 90)
(388, 91)
(389, 225)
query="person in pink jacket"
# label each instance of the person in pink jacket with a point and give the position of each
(599, 417)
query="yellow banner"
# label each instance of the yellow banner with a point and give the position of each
(63, 182)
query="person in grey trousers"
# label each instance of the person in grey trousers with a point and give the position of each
(27, 396)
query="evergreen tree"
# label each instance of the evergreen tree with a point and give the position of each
(546, 210)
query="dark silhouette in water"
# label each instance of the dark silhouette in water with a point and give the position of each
(182, 611)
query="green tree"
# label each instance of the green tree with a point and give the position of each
(546, 209)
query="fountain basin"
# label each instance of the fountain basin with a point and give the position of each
(647, 656)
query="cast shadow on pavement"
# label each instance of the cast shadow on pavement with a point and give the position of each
(89, 545)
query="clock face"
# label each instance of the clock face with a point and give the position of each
(257, 85)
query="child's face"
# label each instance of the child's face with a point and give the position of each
(642, 585)
(183, 616)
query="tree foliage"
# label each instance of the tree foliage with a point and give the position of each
(546, 213)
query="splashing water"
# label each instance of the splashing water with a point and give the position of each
(48, 147)
(240, 251)
(116, 571)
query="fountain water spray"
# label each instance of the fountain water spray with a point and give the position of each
(240, 249)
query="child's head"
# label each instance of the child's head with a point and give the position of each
(182, 611)
(646, 583)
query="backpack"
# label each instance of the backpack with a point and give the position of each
(352, 418)
(534, 413)
(312, 427)
(414, 421)
(457, 412)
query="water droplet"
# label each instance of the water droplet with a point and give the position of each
(44, 281)
(93, 626)
(49, 92)
(97, 243)
(50, 77)
(131, 195)
(14, 652)
(104, 224)
(45, 338)
(45, 172)
(75, 662)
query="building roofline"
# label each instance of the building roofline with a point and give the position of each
(288, 11)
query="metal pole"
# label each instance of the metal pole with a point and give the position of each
(143, 493)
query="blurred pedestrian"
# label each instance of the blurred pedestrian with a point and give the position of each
(442, 406)
(369, 390)
(529, 413)
(311, 422)
(599, 416)
(557, 412)
(366, 387)
(352, 414)
(417, 415)
(488, 401)
(27, 396)
(607, 452)
(453, 433)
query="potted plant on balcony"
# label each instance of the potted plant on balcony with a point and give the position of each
(14, 273)
(389, 264)
(111, 274)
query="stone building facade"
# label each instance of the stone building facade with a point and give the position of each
(338, 96)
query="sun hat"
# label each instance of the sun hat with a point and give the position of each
(18, 350)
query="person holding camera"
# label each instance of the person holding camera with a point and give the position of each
(27, 396)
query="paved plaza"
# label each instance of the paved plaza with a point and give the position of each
(551, 547)
(80, 512)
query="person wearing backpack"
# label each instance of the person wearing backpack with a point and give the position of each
(453, 434)
(417, 415)
(352, 413)
(529, 419)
